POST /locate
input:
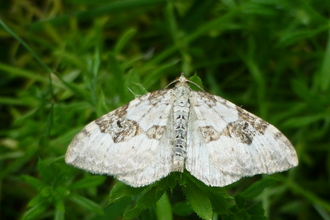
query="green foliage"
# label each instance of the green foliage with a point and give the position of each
(257, 188)
(198, 200)
(65, 63)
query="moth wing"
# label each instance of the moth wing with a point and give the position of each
(130, 143)
(226, 143)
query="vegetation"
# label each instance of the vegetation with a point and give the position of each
(65, 63)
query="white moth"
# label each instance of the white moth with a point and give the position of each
(172, 129)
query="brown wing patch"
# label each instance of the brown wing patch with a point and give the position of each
(122, 129)
(209, 133)
(246, 127)
(155, 132)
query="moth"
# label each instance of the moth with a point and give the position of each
(174, 129)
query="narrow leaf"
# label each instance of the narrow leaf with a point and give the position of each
(149, 199)
(87, 204)
(35, 211)
(59, 215)
(121, 190)
(36, 183)
(90, 181)
(256, 188)
(123, 41)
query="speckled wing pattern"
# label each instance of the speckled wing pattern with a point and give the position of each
(173, 129)
(226, 143)
(131, 143)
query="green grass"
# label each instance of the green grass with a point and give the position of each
(65, 63)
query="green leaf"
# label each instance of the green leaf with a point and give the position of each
(88, 181)
(87, 204)
(217, 195)
(36, 183)
(241, 215)
(58, 196)
(133, 84)
(62, 177)
(163, 208)
(300, 121)
(196, 80)
(219, 199)
(35, 211)
(198, 200)
(47, 171)
(137, 89)
(325, 69)
(60, 206)
(171, 181)
(149, 198)
(117, 74)
(59, 215)
(120, 190)
(256, 210)
(182, 209)
(101, 105)
(37, 199)
(292, 36)
(240, 201)
(122, 42)
(256, 188)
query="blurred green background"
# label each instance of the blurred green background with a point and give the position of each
(272, 57)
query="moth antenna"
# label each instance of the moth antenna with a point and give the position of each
(183, 79)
